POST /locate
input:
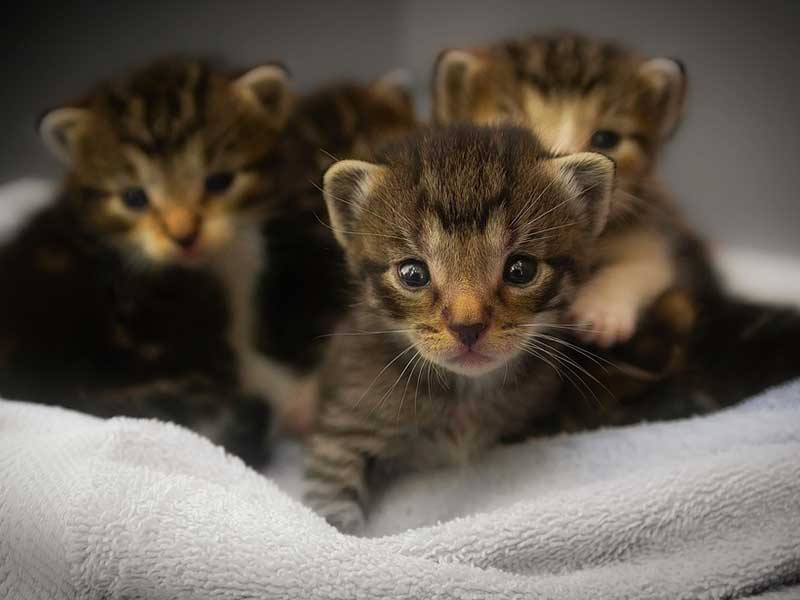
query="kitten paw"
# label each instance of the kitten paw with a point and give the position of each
(299, 412)
(346, 515)
(606, 320)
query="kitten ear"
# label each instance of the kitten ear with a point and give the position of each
(666, 80)
(395, 87)
(62, 130)
(590, 175)
(347, 185)
(268, 87)
(454, 85)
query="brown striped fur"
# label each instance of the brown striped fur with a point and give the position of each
(566, 87)
(401, 384)
(155, 310)
(165, 130)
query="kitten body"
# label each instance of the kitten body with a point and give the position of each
(449, 240)
(580, 93)
(184, 258)
(119, 293)
(654, 286)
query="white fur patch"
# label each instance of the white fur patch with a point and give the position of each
(239, 266)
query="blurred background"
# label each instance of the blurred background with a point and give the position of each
(732, 165)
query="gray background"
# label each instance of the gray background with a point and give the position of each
(733, 165)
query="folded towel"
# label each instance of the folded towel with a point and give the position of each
(702, 508)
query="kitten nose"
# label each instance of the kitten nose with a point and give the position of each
(468, 334)
(187, 239)
(182, 226)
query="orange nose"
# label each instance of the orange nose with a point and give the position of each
(182, 225)
(466, 318)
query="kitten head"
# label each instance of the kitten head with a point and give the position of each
(350, 119)
(165, 160)
(577, 93)
(467, 239)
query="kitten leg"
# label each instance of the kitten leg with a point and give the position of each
(336, 471)
(293, 396)
(637, 269)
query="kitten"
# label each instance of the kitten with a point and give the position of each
(465, 244)
(653, 278)
(303, 294)
(188, 206)
(578, 94)
(119, 287)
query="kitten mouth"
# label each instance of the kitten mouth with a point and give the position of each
(471, 359)
(192, 256)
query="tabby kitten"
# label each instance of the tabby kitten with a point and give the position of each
(465, 244)
(579, 93)
(189, 203)
(694, 349)
(121, 288)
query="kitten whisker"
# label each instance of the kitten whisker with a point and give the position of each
(394, 385)
(416, 360)
(568, 371)
(580, 368)
(428, 377)
(534, 234)
(364, 233)
(349, 202)
(389, 364)
(329, 155)
(533, 352)
(571, 327)
(593, 356)
(416, 390)
(530, 204)
(359, 333)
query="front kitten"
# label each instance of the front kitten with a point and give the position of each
(465, 244)
(580, 93)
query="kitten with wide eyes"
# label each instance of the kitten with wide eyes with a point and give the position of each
(579, 93)
(465, 244)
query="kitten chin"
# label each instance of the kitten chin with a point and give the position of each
(465, 245)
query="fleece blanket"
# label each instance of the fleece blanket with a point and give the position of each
(702, 508)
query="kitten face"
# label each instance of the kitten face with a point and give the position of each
(466, 239)
(165, 161)
(576, 93)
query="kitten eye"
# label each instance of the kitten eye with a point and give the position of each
(217, 183)
(519, 269)
(605, 139)
(135, 198)
(414, 273)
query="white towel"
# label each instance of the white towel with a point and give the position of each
(701, 508)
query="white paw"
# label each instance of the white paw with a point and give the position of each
(603, 320)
